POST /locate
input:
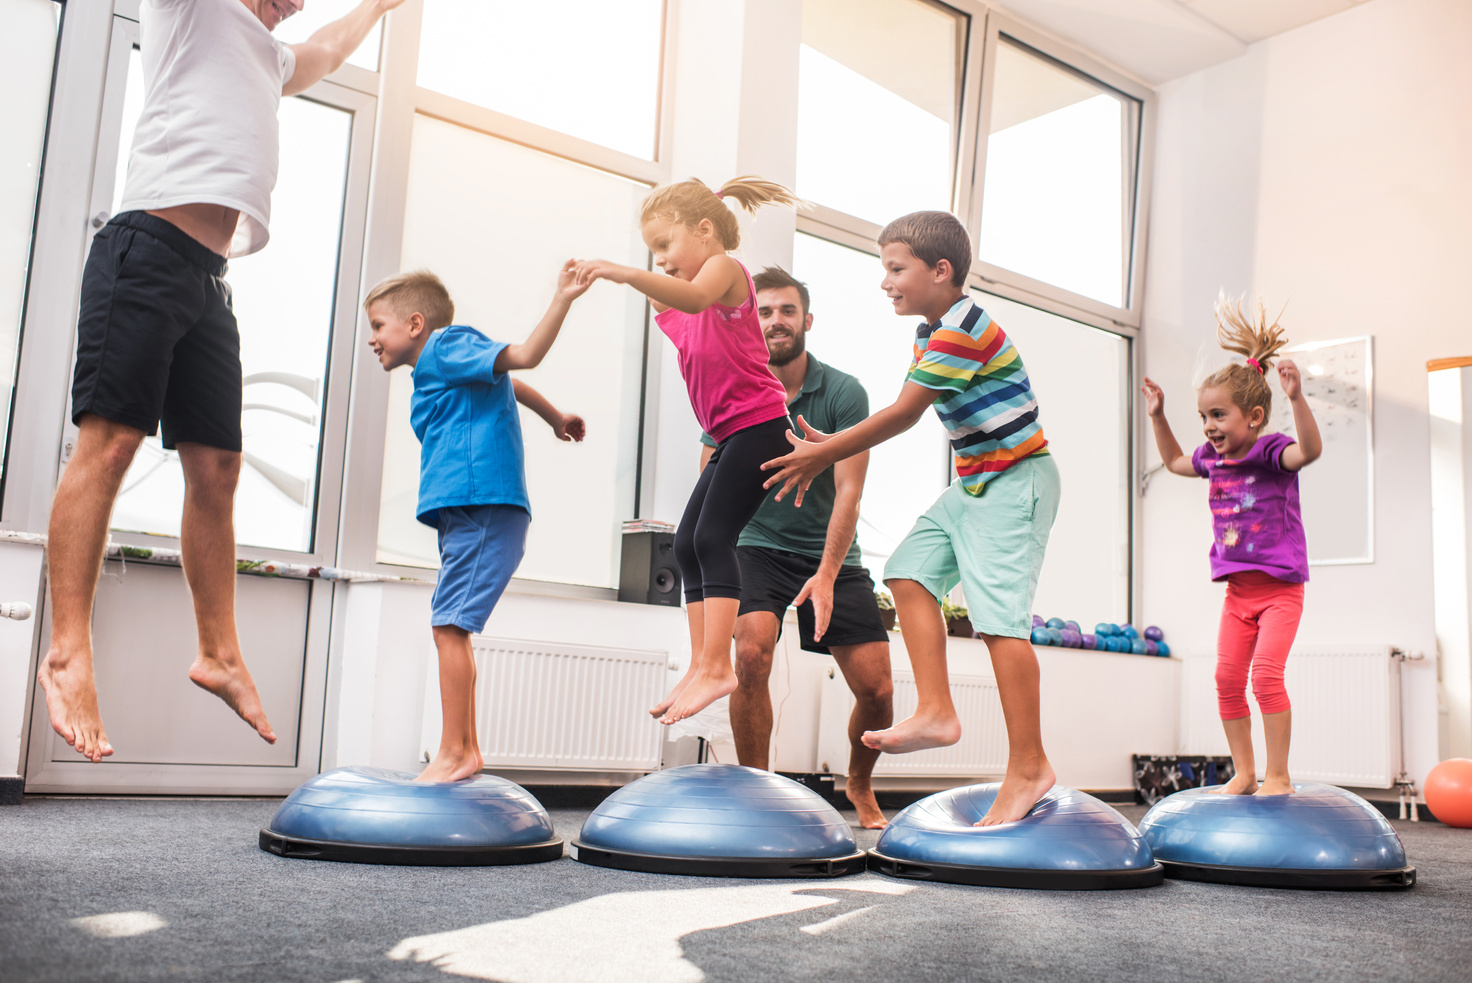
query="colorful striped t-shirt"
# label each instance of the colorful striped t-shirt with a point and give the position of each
(985, 402)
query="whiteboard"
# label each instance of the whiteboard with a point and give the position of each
(1338, 490)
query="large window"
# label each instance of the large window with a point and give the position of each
(1060, 170)
(27, 50)
(283, 298)
(855, 330)
(588, 68)
(496, 221)
(878, 104)
(1081, 377)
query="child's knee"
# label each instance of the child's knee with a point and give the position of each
(1268, 689)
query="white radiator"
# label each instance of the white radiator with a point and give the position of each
(549, 706)
(1346, 714)
(982, 750)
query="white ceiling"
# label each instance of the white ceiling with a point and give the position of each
(1160, 40)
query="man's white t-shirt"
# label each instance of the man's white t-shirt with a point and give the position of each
(212, 79)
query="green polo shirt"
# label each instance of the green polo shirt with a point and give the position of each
(831, 401)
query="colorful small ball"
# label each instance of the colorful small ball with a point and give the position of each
(1070, 638)
(1103, 628)
(1162, 649)
(1113, 628)
(1057, 623)
(1128, 631)
(1073, 626)
(1152, 647)
(1154, 634)
(1055, 637)
(1089, 641)
(1040, 636)
(1101, 643)
(1137, 646)
(1038, 622)
(1449, 792)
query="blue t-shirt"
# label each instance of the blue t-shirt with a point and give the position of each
(464, 413)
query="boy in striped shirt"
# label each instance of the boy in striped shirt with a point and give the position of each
(989, 530)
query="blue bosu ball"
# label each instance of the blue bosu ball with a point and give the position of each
(720, 821)
(1070, 841)
(369, 815)
(1319, 837)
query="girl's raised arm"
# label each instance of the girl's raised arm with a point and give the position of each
(716, 282)
(1310, 445)
(1171, 455)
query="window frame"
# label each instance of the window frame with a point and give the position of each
(401, 99)
(986, 26)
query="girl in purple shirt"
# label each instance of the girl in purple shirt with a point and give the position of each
(1258, 544)
(706, 304)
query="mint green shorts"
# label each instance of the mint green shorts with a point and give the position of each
(991, 544)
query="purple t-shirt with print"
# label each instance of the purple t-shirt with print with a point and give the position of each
(1256, 522)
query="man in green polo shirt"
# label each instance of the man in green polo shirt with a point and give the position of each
(810, 557)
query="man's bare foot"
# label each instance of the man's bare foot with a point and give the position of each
(1017, 796)
(1276, 786)
(915, 734)
(231, 682)
(702, 690)
(1239, 785)
(451, 766)
(71, 702)
(862, 797)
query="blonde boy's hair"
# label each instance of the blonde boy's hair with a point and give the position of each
(1256, 341)
(688, 202)
(415, 292)
(932, 237)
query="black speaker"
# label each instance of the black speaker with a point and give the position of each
(648, 573)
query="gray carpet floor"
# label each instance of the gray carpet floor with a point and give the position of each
(209, 905)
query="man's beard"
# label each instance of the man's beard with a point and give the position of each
(795, 347)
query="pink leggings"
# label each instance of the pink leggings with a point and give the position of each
(1259, 619)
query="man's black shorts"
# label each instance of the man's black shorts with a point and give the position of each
(771, 579)
(156, 335)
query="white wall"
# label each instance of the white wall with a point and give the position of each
(1327, 165)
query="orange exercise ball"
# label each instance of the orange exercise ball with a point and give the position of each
(1449, 792)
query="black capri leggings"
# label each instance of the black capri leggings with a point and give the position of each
(725, 498)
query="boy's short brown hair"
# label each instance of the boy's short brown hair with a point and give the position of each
(418, 291)
(932, 237)
(776, 278)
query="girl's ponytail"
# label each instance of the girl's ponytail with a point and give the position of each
(1258, 343)
(690, 202)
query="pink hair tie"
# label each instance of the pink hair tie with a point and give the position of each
(1256, 365)
(720, 194)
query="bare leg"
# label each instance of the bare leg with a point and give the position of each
(751, 704)
(77, 539)
(459, 753)
(934, 723)
(207, 541)
(713, 677)
(695, 620)
(865, 668)
(1276, 729)
(1239, 740)
(1029, 775)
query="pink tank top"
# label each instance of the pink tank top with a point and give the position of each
(723, 360)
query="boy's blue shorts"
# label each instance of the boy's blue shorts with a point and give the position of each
(480, 548)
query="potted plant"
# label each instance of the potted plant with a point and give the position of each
(958, 620)
(886, 609)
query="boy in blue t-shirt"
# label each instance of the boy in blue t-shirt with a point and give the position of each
(472, 481)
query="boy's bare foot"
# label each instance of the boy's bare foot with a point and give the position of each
(449, 766)
(703, 690)
(231, 682)
(1276, 786)
(1239, 785)
(915, 733)
(1018, 794)
(663, 707)
(862, 796)
(71, 702)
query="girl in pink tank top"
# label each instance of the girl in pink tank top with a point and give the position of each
(706, 305)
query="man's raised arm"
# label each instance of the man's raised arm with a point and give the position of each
(325, 51)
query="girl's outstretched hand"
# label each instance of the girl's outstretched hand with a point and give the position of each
(1154, 398)
(568, 287)
(1289, 379)
(800, 467)
(572, 427)
(588, 270)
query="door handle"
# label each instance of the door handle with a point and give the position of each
(100, 219)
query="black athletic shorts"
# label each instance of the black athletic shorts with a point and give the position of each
(770, 579)
(156, 335)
